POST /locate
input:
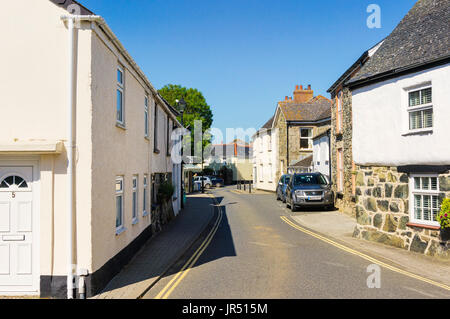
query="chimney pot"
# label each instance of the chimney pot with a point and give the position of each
(301, 87)
(309, 86)
(286, 98)
(297, 87)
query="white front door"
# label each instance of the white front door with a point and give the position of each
(18, 272)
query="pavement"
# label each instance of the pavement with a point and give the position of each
(162, 251)
(340, 227)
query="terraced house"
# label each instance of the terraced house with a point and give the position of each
(295, 120)
(401, 109)
(342, 164)
(77, 174)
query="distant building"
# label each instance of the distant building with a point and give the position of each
(295, 120)
(265, 157)
(236, 156)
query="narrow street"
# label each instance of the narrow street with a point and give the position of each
(255, 254)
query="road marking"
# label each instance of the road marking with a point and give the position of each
(168, 289)
(364, 256)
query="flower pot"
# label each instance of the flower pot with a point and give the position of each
(445, 234)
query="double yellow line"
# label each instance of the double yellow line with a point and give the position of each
(366, 257)
(169, 288)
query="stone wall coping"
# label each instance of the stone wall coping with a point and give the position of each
(423, 226)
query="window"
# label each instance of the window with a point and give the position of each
(146, 116)
(270, 173)
(16, 182)
(424, 199)
(306, 138)
(339, 119)
(135, 219)
(340, 170)
(119, 205)
(155, 130)
(144, 195)
(120, 117)
(420, 109)
(269, 136)
(168, 140)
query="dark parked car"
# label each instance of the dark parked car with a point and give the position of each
(309, 189)
(217, 181)
(281, 187)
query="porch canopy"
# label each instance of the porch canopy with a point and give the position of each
(31, 147)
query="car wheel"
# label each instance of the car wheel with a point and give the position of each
(293, 207)
(207, 186)
(287, 203)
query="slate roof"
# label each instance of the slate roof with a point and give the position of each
(268, 123)
(422, 37)
(316, 109)
(306, 162)
(66, 3)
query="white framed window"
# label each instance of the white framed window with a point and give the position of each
(144, 197)
(146, 129)
(120, 105)
(135, 203)
(340, 170)
(306, 138)
(269, 138)
(340, 115)
(420, 109)
(119, 205)
(270, 173)
(424, 199)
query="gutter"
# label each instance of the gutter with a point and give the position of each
(398, 72)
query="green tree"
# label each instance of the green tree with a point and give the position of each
(196, 109)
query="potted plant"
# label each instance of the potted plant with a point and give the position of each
(444, 219)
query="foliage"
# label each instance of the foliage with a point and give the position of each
(165, 191)
(196, 109)
(444, 216)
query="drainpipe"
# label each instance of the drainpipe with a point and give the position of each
(287, 147)
(69, 148)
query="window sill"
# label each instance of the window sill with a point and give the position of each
(145, 214)
(121, 126)
(120, 230)
(135, 221)
(418, 132)
(147, 138)
(156, 151)
(423, 226)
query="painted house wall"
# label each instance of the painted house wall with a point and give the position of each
(265, 160)
(321, 155)
(380, 116)
(117, 151)
(34, 98)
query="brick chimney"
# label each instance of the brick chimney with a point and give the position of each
(303, 95)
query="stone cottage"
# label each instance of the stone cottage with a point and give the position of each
(295, 120)
(401, 109)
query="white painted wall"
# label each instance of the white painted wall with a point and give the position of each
(321, 155)
(380, 121)
(265, 160)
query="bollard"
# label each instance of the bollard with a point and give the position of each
(250, 187)
(244, 186)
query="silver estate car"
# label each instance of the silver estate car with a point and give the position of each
(309, 189)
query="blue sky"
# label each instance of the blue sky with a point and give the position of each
(245, 55)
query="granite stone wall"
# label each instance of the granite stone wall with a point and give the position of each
(382, 211)
(345, 201)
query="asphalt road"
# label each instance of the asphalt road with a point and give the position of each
(255, 254)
